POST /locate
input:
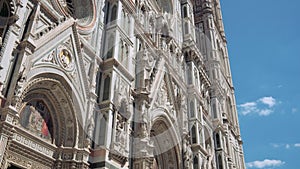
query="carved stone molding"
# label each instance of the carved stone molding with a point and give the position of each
(33, 145)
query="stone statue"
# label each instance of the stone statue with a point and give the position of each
(120, 130)
(210, 157)
(187, 153)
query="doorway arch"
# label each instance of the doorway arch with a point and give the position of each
(50, 125)
(166, 145)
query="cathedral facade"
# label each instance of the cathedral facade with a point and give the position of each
(109, 84)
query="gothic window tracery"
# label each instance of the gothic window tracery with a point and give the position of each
(112, 12)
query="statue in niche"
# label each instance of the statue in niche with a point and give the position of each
(147, 64)
(164, 44)
(90, 128)
(143, 125)
(120, 130)
(178, 96)
(187, 153)
(89, 134)
(210, 158)
(20, 84)
(144, 128)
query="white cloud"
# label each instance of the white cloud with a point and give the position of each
(279, 86)
(270, 101)
(297, 145)
(294, 110)
(248, 107)
(265, 163)
(265, 112)
(263, 107)
(275, 145)
(287, 146)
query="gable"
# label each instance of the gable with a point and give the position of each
(164, 96)
(61, 55)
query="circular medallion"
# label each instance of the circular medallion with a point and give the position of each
(65, 59)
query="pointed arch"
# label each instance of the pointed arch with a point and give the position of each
(167, 140)
(65, 112)
(166, 149)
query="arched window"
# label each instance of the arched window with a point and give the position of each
(5, 13)
(186, 27)
(220, 162)
(229, 109)
(36, 118)
(192, 109)
(228, 105)
(214, 109)
(113, 14)
(110, 46)
(200, 137)
(106, 89)
(196, 162)
(123, 19)
(196, 77)
(189, 70)
(107, 13)
(199, 110)
(218, 141)
(102, 131)
(121, 49)
(185, 14)
(194, 136)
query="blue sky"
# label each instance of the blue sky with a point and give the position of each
(264, 49)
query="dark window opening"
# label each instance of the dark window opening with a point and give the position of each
(106, 88)
(218, 141)
(196, 162)
(194, 136)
